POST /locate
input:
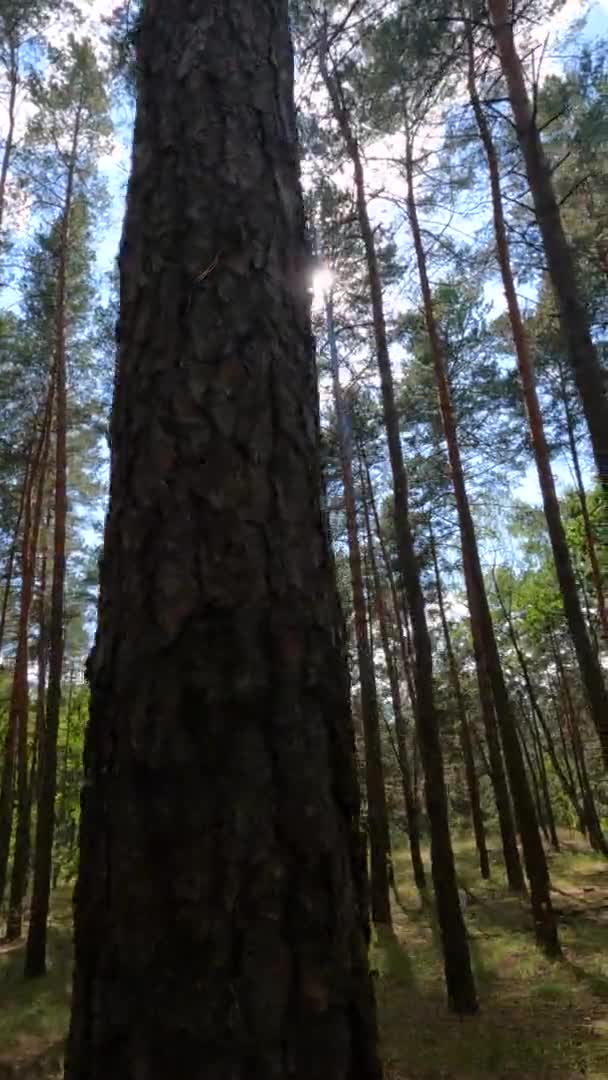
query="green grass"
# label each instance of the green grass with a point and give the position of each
(538, 1020)
(34, 1013)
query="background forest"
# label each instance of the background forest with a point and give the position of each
(456, 190)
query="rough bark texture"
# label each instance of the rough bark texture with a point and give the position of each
(35, 956)
(590, 380)
(411, 812)
(466, 745)
(459, 978)
(534, 855)
(377, 813)
(220, 913)
(591, 672)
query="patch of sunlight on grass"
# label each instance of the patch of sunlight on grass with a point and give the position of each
(539, 1020)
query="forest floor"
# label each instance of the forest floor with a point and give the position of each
(538, 1020)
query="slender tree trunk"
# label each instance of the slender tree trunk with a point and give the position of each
(399, 615)
(379, 837)
(590, 379)
(534, 855)
(544, 780)
(9, 141)
(21, 856)
(540, 812)
(466, 745)
(10, 562)
(411, 810)
(35, 957)
(591, 672)
(459, 977)
(220, 920)
(596, 572)
(592, 821)
(64, 770)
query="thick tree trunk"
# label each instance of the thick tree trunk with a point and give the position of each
(411, 809)
(379, 837)
(466, 744)
(220, 907)
(459, 977)
(21, 856)
(35, 956)
(590, 380)
(534, 855)
(540, 812)
(591, 672)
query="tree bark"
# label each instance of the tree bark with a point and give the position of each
(586, 366)
(21, 855)
(379, 837)
(220, 920)
(591, 672)
(10, 562)
(596, 572)
(457, 964)
(534, 855)
(411, 809)
(466, 744)
(9, 141)
(35, 956)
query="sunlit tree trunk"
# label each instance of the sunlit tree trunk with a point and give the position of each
(588, 662)
(585, 362)
(534, 855)
(457, 964)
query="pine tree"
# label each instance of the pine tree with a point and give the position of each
(220, 913)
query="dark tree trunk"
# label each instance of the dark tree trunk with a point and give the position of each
(466, 744)
(9, 754)
(534, 855)
(590, 379)
(596, 572)
(379, 837)
(544, 781)
(459, 977)
(62, 792)
(399, 615)
(220, 908)
(10, 562)
(21, 856)
(540, 812)
(9, 140)
(35, 956)
(411, 809)
(592, 820)
(591, 672)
